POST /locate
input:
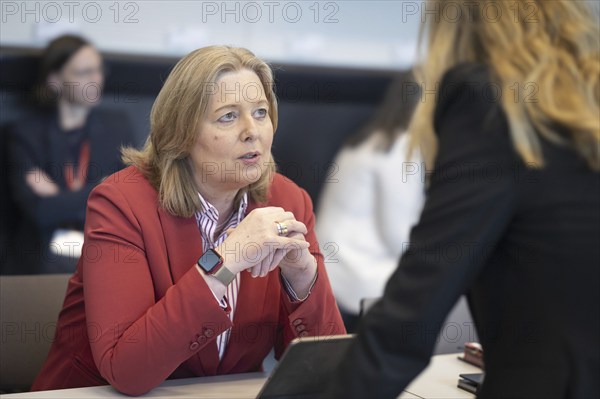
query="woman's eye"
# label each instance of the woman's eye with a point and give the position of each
(228, 117)
(260, 113)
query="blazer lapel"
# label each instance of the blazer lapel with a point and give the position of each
(183, 242)
(184, 247)
(252, 291)
(252, 205)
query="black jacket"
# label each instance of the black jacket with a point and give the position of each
(523, 243)
(36, 142)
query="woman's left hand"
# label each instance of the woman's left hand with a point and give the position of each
(299, 267)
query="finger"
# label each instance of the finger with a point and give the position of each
(297, 236)
(269, 210)
(287, 243)
(298, 240)
(266, 264)
(293, 226)
(285, 216)
(262, 267)
(295, 247)
(279, 255)
(255, 270)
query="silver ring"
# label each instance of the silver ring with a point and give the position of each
(282, 229)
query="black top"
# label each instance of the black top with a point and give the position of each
(522, 242)
(38, 142)
(74, 140)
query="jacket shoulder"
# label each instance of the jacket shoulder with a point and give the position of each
(469, 91)
(132, 185)
(470, 80)
(286, 194)
(284, 190)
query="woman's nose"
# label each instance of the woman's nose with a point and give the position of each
(249, 129)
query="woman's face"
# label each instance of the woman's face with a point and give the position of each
(233, 145)
(80, 80)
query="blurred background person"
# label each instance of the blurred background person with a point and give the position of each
(199, 217)
(514, 138)
(59, 153)
(365, 216)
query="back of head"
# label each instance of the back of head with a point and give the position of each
(543, 54)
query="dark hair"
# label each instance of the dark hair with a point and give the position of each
(394, 113)
(58, 52)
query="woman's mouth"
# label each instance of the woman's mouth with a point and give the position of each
(250, 158)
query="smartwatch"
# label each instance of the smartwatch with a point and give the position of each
(212, 264)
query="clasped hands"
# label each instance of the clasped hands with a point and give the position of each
(256, 245)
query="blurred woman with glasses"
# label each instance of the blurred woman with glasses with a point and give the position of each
(60, 152)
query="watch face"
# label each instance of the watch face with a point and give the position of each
(210, 261)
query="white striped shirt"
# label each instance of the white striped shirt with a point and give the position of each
(207, 220)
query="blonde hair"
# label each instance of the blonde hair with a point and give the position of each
(177, 111)
(552, 43)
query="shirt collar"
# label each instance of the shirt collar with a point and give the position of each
(208, 210)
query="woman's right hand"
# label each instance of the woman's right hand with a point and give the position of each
(255, 243)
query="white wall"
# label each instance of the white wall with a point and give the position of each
(374, 34)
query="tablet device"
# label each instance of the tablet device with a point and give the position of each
(306, 367)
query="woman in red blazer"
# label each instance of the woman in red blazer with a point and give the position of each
(198, 258)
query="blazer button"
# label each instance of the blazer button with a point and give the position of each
(201, 339)
(209, 332)
(303, 334)
(300, 328)
(296, 322)
(194, 346)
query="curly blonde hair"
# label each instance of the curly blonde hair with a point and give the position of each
(543, 54)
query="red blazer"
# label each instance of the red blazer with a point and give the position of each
(149, 314)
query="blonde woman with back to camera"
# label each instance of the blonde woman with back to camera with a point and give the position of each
(512, 213)
(198, 258)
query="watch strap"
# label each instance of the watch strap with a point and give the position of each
(224, 275)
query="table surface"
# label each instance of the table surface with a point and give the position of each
(438, 380)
